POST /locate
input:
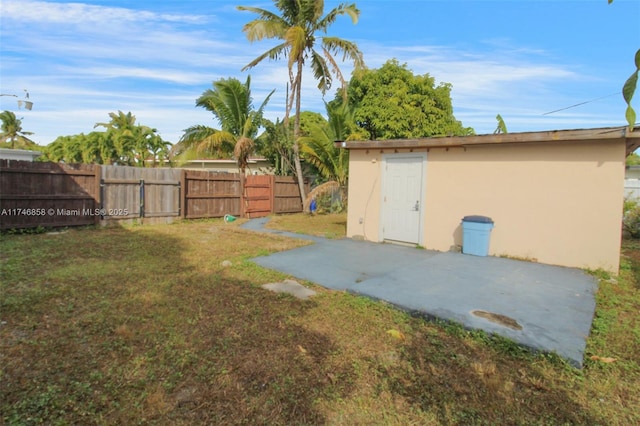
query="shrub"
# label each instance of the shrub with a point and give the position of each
(631, 217)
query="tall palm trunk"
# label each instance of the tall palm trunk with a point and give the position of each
(296, 133)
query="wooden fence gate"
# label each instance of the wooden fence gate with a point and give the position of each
(267, 194)
(149, 194)
(258, 195)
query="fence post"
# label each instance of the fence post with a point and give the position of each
(272, 194)
(97, 195)
(243, 180)
(141, 198)
(182, 194)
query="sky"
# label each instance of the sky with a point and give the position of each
(522, 59)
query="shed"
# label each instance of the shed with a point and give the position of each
(555, 196)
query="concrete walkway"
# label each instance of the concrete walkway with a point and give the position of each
(547, 308)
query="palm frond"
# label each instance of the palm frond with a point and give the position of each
(275, 53)
(318, 10)
(349, 50)
(195, 133)
(230, 103)
(296, 39)
(260, 110)
(219, 143)
(263, 13)
(206, 141)
(320, 190)
(321, 72)
(350, 10)
(318, 149)
(260, 29)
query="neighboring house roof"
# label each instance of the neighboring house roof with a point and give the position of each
(19, 154)
(632, 139)
(226, 161)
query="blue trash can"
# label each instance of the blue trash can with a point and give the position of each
(476, 232)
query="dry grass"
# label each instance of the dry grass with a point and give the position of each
(144, 325)
(321, 225)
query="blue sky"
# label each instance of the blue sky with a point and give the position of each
(519, 58)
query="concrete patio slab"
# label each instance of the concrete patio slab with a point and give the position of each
(544, 307)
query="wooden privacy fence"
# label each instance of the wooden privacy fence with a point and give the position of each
(54, 195)
(48, 194)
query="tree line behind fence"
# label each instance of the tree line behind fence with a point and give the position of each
(59, 195)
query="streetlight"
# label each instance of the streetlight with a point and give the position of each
(26, 102)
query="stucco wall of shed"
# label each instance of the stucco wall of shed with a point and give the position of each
(555, 203)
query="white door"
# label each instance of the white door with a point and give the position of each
(402, 198)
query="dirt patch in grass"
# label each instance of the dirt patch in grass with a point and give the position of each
(320, 225)
(503, 320)
(145, 325)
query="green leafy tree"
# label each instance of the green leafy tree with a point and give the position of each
(299, 25)
(123, 142)
(12, 132)
(231, 104)
(276, 146)
(64, 148)
(92, 148)
(310, 120)
(391, 102)
(633, 159)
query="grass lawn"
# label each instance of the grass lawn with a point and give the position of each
(146, 325)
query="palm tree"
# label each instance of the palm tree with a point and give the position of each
(121, 129)
(103, 147)
(230, 102)
(157, 148)
(297, 27)
(12, 131)
(319, 149)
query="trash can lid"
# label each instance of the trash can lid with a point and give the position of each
(477, 219)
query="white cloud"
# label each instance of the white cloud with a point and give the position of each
(82, 61)
(166, 75)
(26, 11)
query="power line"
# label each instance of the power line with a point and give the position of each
(581, 103)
